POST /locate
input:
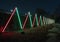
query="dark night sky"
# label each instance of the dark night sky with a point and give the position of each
(29, 5)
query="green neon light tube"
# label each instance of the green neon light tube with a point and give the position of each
(19, 18)
(41, 20)
(30, 19)
(36, 19)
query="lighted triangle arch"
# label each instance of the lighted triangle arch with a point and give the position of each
(15, 10)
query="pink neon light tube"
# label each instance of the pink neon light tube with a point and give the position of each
(33, 22)
(25, 21)
(8, 20)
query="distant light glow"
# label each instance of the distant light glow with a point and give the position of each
(19, 18)
(25, 21)
(36, 19)
(11, 10)
(1, 28)
(30, 19)
(8, 20)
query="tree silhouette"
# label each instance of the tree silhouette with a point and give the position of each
(56, 14)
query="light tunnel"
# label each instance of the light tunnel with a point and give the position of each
(29, 20)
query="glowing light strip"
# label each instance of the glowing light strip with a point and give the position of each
(36, 20)
(8, 21)
(25, 21)
(41, 20)
(30, 19)
(19, 18)
(33, 22)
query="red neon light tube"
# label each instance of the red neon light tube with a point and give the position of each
(33, 22)
(25, 21)
(8, 20)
